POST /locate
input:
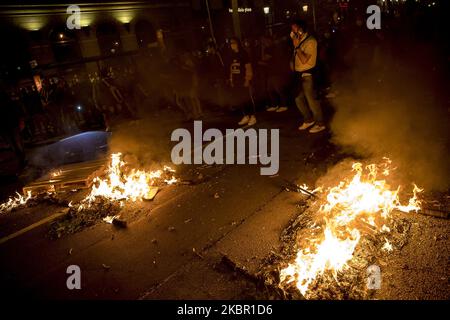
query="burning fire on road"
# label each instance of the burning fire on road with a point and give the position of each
(358, 206)
(132, 186)
(118, 184)
(14, 202)
(110, 190)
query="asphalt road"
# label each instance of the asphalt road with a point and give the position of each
(159, 241)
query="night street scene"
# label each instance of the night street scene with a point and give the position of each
(204, 150)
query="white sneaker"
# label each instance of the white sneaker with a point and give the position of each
(317, 128)
(252, 121)
(305, 125)
(244, 120)
(271, 109)
(282, 109)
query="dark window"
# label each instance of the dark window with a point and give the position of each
(145, 33)
(109, 39)
(64, 45)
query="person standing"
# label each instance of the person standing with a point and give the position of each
(304, 64)
(240, 74)
(186, 87)
(277, 76)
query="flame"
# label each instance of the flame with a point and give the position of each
(56, 173)
(305, 187)
(109, 219)
(119, 186)
(15, 202)
(116, 186)
(351, 208)
(387, 246)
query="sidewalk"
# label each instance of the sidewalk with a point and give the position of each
(245, 246)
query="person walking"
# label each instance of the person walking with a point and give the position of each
(304, 63)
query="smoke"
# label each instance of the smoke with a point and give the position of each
(144, 143)
(398, 107)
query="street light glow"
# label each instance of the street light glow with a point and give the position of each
(266, 10)
(125, 16)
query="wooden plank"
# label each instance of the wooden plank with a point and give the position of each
(64, 171)
(72, 176)
(84, 164)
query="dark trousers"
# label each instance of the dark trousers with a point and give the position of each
(276, 88)
(241, 99)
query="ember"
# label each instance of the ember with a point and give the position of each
(352, 207)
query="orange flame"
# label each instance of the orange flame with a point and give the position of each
(15, 202)
(118, 186)
(352, 202)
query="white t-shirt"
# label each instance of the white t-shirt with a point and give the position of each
(309, 46)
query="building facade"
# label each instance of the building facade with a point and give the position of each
(39, 37)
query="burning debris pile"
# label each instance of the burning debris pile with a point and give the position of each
(342, 233)
(109, 193)
(123, 184)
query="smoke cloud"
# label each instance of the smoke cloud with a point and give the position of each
(145, 143)
(398, 107)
